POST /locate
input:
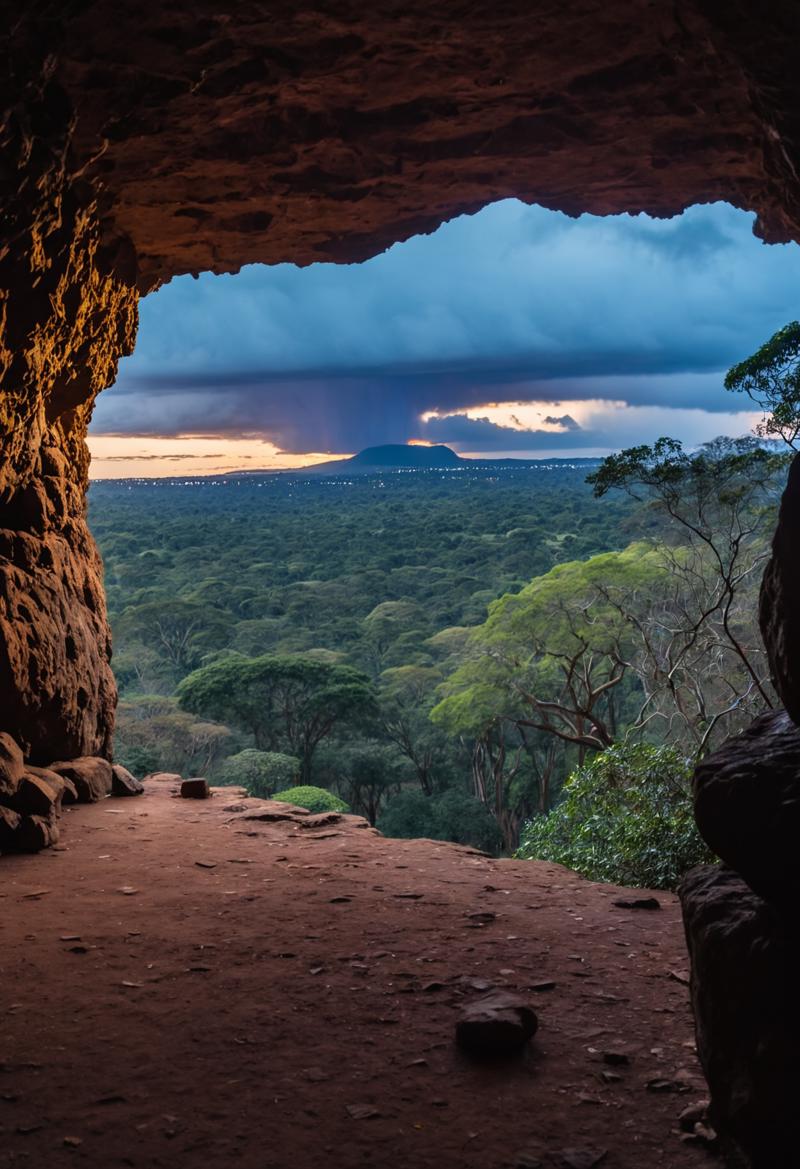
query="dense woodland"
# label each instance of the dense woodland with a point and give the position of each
(441, 650)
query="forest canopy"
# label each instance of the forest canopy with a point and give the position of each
(442, 650)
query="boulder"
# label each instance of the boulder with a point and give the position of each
(195, 789)
(35, 833)
(62, 783)
(745, 957)
(90, 774)
(496, 1026)
(36, 797)
(9, 823)
(162, 777)
(747, 805)
(12, 765)
(123, 783)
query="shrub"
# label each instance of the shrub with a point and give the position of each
(261, 772)
(315, 799)
(625, 817)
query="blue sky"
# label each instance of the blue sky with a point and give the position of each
(513, 331)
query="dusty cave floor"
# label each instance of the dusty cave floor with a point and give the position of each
(157, 1011)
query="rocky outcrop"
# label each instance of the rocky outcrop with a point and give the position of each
(31, 797)
(743, 933)
(67, 312)
(745, 959)
(779, 610)
(747, 805)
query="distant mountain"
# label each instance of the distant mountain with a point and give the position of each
(393, 456)
(397, 454)
(404, 457)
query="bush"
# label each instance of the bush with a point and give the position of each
(452, 815)
(261, 772)
(315, 799)
(626, 817)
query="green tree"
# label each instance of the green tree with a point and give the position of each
(406, 698)
(288, 703)
(153, 728)
(700, 647)
(771, 378)
(179, 631)
(549, 658)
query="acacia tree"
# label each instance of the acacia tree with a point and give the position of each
(552, 658)
(152, 727)
(498, 765)
(177, 630)
(288, 703)
(697, 651)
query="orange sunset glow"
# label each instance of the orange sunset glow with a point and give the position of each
(121, 456)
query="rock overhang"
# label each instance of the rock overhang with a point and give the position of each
(304, 132)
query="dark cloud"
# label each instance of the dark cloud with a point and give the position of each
(143, 458)
(565, 420)
(513, 304)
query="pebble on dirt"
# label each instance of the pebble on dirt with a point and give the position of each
(495, 1026)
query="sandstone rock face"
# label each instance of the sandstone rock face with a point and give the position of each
(744, 989)
(747, 805)
(779, 608)
(9, 824)
(36, 832)
(66, 317)
(12, 766)
(328, 132)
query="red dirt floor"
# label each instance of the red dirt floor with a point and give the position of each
(293, 1006)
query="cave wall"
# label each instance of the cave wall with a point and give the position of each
(143, 141)
(67, 312)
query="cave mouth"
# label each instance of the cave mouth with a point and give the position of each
(504, 320)
(140, 146)
(514, 334)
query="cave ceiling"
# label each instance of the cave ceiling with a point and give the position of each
(222, 134)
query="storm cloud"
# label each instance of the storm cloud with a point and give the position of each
(514, 304)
